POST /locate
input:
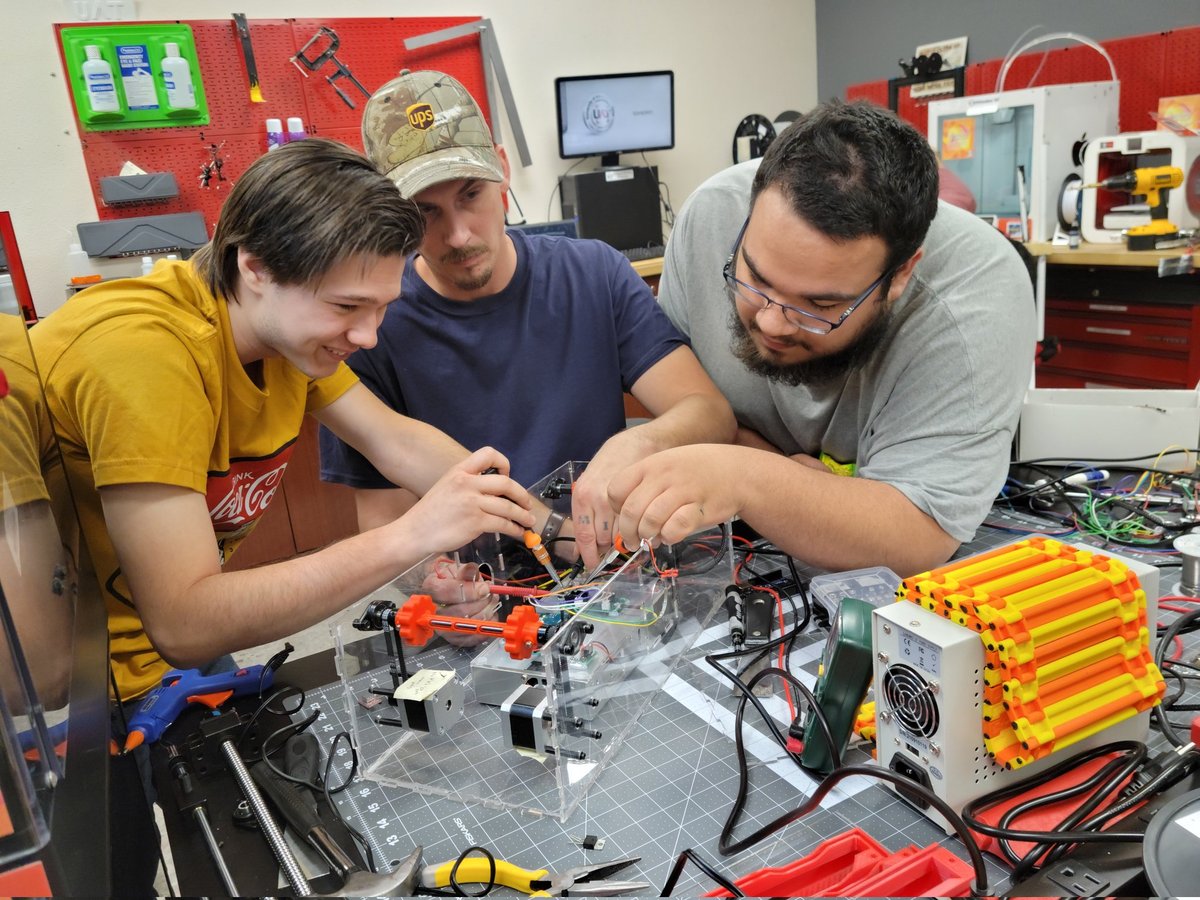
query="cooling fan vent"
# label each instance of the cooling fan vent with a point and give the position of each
(911, 700)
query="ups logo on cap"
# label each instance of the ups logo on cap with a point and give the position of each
(420, 115)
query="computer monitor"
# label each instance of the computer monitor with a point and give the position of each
(606, 115)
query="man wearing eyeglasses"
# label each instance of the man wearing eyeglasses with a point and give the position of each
(875, 346)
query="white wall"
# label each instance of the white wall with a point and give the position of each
(759, 56)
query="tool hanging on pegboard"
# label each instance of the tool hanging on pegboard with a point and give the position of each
(212, 167)
(243, 30)
(302, 62)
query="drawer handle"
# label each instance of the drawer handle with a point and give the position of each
(1107, 307)
(1123, 332)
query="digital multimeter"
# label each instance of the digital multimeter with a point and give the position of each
(842, 684)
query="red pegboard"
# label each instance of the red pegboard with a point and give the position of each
(1149, 66)
(373, 49)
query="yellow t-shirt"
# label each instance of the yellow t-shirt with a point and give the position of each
(26, 441)
(144, 385)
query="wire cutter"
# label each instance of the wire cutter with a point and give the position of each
(580, 881)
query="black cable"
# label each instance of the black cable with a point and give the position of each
(870, 771)
(1159, 714)
(265, 706)
(458, 888)
(739, 801)
(1114, 774)
(714, 660)
(704, 866)
(358, 835)
(295, 728)
(1107, 779)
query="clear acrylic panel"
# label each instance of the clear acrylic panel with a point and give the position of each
(529, 717)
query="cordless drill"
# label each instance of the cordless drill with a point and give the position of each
(1147, 182)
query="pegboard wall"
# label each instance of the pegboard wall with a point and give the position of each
(372, 49)
(1149, 66)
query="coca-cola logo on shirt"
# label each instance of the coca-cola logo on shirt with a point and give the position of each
(241, 495)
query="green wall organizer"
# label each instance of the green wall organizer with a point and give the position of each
(134, 53)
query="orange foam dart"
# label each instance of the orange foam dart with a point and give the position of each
(1080, 618)
(1004, 589)
(1107, 710)
(1048, 608)
(1060, 682)
(1081, 709)
(963, 570)
(1055, 588)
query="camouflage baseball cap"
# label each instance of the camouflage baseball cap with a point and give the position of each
(423, 128)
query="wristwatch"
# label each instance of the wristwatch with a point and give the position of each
(552, 527)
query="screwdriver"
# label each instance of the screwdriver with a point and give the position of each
(534, 543)
(538, 549)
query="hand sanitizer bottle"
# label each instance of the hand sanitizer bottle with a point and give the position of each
(177, 79)
(98, 80)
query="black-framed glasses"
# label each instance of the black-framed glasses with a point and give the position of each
(795, 316)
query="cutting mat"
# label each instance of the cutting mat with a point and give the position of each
(671, 785)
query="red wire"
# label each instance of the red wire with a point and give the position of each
(787, 688)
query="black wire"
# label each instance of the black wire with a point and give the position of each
(265, 706)
(714, 660)
(1165, 725)
(871, 771)
(491, 882)
(295, 728)
(1113, 774)
(358, 835)
(1107, 779)
(739, 801)
(704, 866)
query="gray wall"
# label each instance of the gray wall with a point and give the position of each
(860, 40)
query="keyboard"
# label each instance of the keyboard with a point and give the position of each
(634, 254)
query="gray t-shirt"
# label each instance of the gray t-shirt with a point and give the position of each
(932, 413)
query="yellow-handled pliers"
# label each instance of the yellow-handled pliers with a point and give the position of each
(581, 881)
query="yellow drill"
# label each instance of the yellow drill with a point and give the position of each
(1148, 182)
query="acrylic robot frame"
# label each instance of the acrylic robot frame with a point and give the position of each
(529, 718)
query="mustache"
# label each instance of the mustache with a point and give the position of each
(462, 254)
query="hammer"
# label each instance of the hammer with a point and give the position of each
(401, 882)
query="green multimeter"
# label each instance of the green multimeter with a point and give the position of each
(846, 668)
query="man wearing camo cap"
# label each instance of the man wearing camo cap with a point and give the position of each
(518, 341)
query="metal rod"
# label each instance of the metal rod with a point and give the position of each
(270, 830)
(214, 850)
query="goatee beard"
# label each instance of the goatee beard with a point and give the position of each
(819, 371)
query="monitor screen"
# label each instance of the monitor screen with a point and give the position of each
(611, 114)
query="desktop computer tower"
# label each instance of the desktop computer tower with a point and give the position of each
(619, 206)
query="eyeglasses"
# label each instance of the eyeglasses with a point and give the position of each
(795, 316)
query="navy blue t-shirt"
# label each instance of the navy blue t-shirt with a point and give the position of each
(536, 371)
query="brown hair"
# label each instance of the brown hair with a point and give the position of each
(303, 209)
